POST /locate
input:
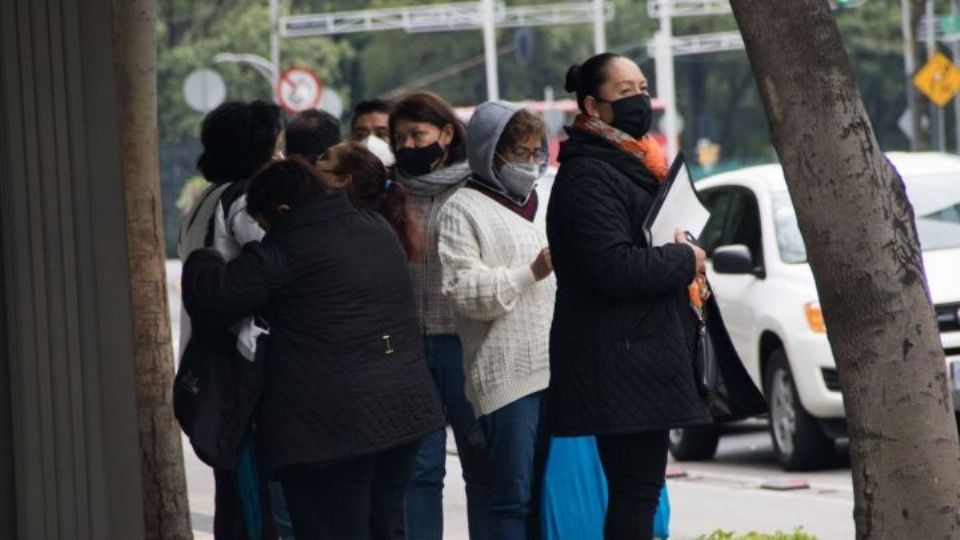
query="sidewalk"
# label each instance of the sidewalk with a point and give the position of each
(200, 488)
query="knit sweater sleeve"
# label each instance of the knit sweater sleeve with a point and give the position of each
(476, 290)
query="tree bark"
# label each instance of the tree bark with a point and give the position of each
(862, 246)
(165, 508)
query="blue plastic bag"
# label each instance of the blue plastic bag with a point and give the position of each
(248, 484)
(574, 500)
(661, 521)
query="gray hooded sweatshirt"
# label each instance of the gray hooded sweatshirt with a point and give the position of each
(483, 132)
(502, 312)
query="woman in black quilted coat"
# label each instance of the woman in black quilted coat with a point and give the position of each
(347, 396)
(623, 335)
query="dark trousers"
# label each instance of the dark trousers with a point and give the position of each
(516, 442)
(424, 499)
(634, 465)
(228, 523)
(356, 499)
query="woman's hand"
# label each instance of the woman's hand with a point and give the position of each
(542, 266)
(681, 237)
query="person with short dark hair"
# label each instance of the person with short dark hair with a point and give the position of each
(429, 142)
(498, 277)
(346, 394)
(371, 117)
(622, 344)
(311, 133)
(238, 139)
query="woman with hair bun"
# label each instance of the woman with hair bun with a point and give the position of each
(624, 331)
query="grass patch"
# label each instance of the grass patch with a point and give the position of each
(796, 534)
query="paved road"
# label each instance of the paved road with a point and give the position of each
(724, 493)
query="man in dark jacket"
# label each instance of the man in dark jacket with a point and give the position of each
(347, 396)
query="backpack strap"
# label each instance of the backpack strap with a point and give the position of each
(203, 211)
(229, 196)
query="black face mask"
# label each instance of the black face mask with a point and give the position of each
(414, 162)
(632, 115)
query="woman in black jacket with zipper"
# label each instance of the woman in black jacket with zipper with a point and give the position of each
(347, 396)
(624, 329)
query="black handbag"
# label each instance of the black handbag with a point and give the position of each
(723, 382)
(705, 365)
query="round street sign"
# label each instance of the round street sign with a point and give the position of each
(203, 89)
(331, 102)
(299, 89)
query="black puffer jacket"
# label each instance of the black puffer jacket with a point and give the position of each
(623, 335)
(344, 371)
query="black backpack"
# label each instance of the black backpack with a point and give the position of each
(216, 390)
(215, 395)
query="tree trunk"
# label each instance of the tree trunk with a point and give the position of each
(165, 508)
(862, 246)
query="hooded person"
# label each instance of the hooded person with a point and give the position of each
(497, 275)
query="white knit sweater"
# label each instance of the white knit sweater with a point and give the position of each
(502, 313)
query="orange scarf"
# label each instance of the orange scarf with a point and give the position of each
(649, 152)
(646, 148)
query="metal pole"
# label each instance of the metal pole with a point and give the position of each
(908, 68)
(275, 42)
(599, 27)
(490, 50)
(936, 113)
(665, 79)
(954, 10)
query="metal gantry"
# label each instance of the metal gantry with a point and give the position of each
(440, 18)
(700, 44)
(485, 14)
(688, 8)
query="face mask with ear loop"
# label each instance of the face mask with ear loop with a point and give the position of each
(632, 115)
(519, 179)
(414, 162)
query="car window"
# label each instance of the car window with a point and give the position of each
(743, 224)
(717, 201)
(789, 241)
(935, 200)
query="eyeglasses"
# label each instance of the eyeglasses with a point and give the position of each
(526, 154)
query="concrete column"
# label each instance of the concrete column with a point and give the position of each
(66, 355)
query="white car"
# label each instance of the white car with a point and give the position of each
(766, 292)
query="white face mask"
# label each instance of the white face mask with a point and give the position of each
(520, 178)
(380, 149)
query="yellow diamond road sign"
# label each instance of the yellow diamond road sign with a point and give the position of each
(939, 80)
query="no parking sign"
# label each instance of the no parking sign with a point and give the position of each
(299, 89)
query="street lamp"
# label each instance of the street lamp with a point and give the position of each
(263, 66)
